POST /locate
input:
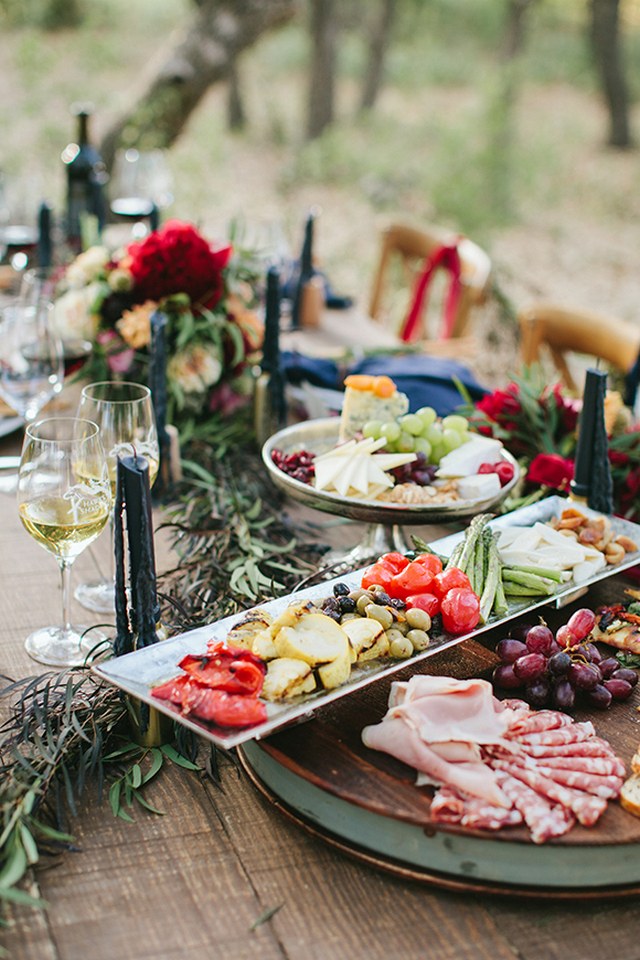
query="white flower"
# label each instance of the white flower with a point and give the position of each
(195, 369)
(72, 315)
(87, 266)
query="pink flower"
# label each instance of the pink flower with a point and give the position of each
(119, 357)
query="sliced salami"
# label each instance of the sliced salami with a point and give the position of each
(447, 806)
(594, 747)
(572, 733)
(600, 786)
(483, 816)
(544, 819)
(586, 807)
(603, 766)
(537, 722)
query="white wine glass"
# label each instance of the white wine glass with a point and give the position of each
(125, 415)
(64, 500)
(41, 283)
(31, 358)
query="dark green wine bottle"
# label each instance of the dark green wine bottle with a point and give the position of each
(86, 179)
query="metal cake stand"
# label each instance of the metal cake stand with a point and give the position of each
(384, 520)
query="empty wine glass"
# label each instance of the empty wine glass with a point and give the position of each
(41, 283)
(31, 365)
(124, 412)
(64, 499)
(141, 185)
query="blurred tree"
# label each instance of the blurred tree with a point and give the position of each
(379, 39)
(323, 29)
(606, 42)
(213, 38)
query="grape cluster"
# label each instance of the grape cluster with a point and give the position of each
(562, 670)
(420, 432)
(298, 465)
(419, 471)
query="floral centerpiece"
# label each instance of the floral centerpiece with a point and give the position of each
(538, 423)
(208, 295)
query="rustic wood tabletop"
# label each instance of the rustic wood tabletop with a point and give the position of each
(223, 874)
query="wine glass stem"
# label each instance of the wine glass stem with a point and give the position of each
(65, 580)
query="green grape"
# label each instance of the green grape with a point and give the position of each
(455, 422)
(433, 433)
(412, 423)
(427, 415)
(422, 445)
(372, 429)
(391, 430)
(405, 443)
(451, 440)
(437, 453)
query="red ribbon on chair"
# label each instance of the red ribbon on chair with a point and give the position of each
(448, 258)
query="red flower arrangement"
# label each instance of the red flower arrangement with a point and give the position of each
(538, 424)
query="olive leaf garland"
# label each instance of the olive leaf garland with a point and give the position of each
(65, 730)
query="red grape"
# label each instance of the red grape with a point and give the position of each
(619, 689)
(559, 663)
(538, 692)
(564, 696)
(624, 673)
(539, 639)
(584, 676)
(599, 697)
(530, 667)
(565, 637)
(520, 630)
(608, 667)
(581, 623)
(504, 676)
(594, 654)
(509, 649)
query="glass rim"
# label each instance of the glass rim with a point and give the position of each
(145, 392)
(90, 435)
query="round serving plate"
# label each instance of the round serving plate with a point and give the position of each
(319, 436)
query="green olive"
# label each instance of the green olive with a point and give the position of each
(401, 649)
(394, 634)
(363, 602)
(349, 616)
(359, 592)
(418, 619)
(376, 612)
(419, 639)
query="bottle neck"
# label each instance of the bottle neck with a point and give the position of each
(83, 129)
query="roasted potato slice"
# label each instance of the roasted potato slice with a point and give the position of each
(263, 645)
(379, 649)
(287, 678)
(243, 633)
(337, 672)
(315, 638)
(362, 633)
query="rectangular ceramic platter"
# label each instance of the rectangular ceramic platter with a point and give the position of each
(136, 673)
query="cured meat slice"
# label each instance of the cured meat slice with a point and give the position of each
(586, 807)
(572, 733)
(544, 819)
(402, 741)
(600, 786)
(594, 747)
(448, 806)
(512, 703)
(537, 722)
(603, 766)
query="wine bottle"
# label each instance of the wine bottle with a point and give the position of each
(86, 178)
(269, 401)
(305, 273)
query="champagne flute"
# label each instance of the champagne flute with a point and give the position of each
(31, 365)
(64, 500)
(124, 412)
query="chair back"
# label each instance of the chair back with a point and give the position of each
(565, 331)
(411, 248)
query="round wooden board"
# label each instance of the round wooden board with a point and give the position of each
(364, 802)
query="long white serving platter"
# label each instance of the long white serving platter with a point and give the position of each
(137, 673)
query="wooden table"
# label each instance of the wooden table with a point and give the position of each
(191, 885)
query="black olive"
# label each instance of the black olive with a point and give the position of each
(347, 604)
(340, 590)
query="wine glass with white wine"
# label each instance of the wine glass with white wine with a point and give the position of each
(64, 500)
(124, 412)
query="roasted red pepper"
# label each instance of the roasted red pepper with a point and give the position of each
(223, 673)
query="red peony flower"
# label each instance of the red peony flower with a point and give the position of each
(502, 406)
(177, 259)
(568, 408)
(550, 470)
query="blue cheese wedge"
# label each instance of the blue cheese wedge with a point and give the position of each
(367, 401)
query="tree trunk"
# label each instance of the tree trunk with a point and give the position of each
(513, 40)
(323, 31)
(379, 41)
(219, 30)
(236, 116)
(607, 52)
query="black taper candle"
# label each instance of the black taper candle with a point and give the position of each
(158, 387)
(305, 272)
(144, 610)
(595, 386)
(124, 639)
(45, 247)
(271, 344)
(154, 218)
(600, 496)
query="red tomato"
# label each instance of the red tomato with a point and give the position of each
(460, 610)
(447, 580)
(397, 561)
(415, 578)
(378, 573)
(430, 561)
(424, 601)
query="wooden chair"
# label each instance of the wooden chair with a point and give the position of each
(411, 248)
(565, 331)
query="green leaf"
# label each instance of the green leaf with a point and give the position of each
(114, 797)
(172, 754)
(148, 806)
(157, 760)
(265, 916)
(136, 776)
(14, 868)
(125, 816)
(21, 897)
(29, 844)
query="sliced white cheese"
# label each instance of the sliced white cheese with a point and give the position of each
(478, 486)
(467, 458)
